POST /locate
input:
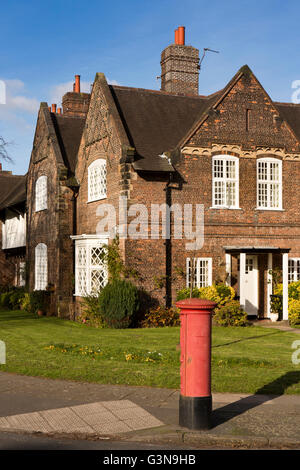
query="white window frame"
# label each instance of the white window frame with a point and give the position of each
(41, 193)
(41, 267)
(85, 268)
(197, 264)
(97, 171)
(224, 180)
(294, 270)
(269, 181)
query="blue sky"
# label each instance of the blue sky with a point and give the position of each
(45, 43)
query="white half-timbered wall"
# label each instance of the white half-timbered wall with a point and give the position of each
(13, 231)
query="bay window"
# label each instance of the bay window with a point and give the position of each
(90, 267)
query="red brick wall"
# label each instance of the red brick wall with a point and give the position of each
(223, 227)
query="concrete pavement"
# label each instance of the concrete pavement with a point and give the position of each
(142, 414)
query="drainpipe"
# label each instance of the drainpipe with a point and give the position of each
(168, 245)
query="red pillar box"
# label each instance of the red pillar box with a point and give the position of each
(195, 404)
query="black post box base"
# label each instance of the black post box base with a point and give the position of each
(195, 412)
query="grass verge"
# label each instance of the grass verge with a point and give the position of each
(244, 360)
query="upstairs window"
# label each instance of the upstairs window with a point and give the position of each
(198, 272)
(41, 267)
(41, 193)
(225, 182)
(97, 180)
(269, 183)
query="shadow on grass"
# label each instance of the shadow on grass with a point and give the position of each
(266, 393)
(245, 339)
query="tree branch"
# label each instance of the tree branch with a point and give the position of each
(3, 150)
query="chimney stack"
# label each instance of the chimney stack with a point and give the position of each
(75, 103)
(77, 84)
(180, 66)
(181, 36)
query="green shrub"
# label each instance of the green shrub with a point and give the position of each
(276, 304)
(39, 300)
(5, 300)
(25, 302)
(230, 314)
(294, 290)
(90, 314)
(12, 298)
(161, 316)
(294, 312)
(16, 297)
(294, 300)
(219, 293)
(119, 303)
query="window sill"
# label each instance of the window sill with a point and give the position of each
(95, 200)
(226, 207)
(41, 210)
(269, 209)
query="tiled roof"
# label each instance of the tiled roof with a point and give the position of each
(156, 121)
(12, 190)
(68, 131)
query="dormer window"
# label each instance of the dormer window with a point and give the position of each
(225, 182)
(97, 180)
(41, 193)
(269, 184)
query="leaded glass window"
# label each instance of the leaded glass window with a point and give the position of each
(41, 267)
(41, 193)
(97, 180)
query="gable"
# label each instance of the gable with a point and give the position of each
(246, 116)
(103, 122)
(41, 141)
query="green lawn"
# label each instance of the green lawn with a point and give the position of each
(245, 360)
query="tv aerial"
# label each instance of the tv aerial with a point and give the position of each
(205, 50)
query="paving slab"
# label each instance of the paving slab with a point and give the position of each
(101, 418)
(86, 410)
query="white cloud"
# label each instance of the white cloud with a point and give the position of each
(16, 99)
(112, 82)
(58, 91)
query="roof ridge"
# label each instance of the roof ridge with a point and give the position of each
(287, 104)
(161, 92)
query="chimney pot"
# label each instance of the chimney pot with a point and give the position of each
(58, 110)
(0, 166)
(181, 35)
(176, 36)
(53, 108)
(77, 84)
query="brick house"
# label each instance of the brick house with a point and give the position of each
(13, 228)
(236, 152)
(51, 198)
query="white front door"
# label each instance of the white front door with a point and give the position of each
(250, 285)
